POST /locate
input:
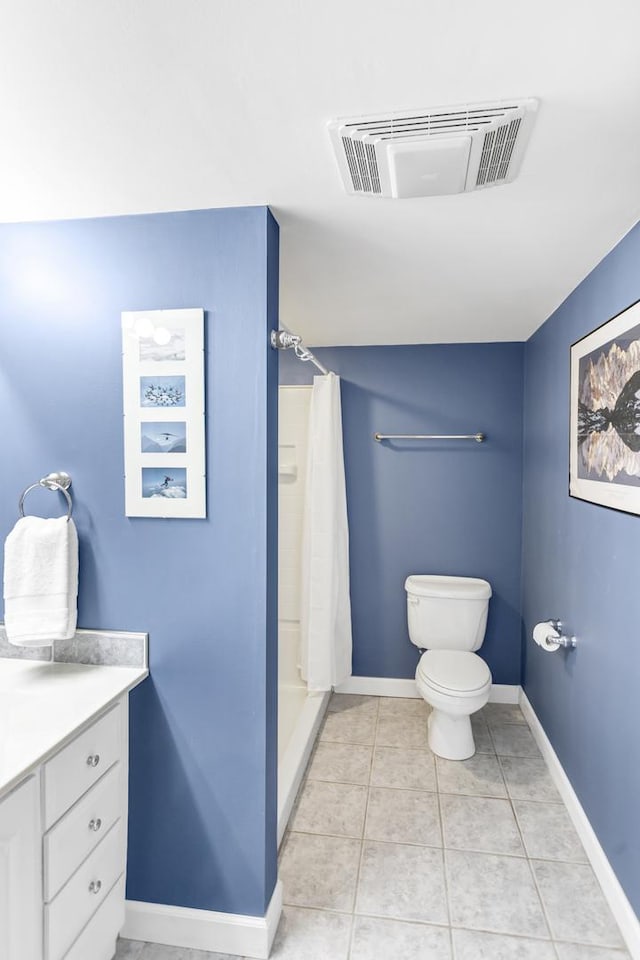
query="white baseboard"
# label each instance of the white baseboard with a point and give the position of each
(396, 687)
(615, 895)
(379, 687)
(232, 933)
(505, 693)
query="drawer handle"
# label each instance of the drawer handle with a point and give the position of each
(95, 824)
(93, 759)
(95, 886)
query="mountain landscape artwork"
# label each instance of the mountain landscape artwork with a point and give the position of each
(163, 436)
(605, 426)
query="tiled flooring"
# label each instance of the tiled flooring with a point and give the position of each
(394, 854)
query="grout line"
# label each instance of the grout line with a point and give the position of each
(364, 827)
(432, 846)
(445, 882)
(440, 793)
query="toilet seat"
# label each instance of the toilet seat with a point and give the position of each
(454, 673)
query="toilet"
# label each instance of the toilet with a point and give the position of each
(447, 619)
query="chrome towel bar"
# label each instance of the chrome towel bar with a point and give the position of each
(478, 437)
(53, 481)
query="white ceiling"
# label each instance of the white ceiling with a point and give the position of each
(118, 107)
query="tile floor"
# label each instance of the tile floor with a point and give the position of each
(394, 854)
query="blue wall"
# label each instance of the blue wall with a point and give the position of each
(450, 508)
(203, 735)
(580, 563)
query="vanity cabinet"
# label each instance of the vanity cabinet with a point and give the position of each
(62, 876)
(20, 871)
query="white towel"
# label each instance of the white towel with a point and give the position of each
(41, 581)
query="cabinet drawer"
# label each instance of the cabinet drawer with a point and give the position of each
(69, 774)
(98, 939)
(73, 838)
(67, 915)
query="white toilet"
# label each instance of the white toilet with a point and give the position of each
(447, 618)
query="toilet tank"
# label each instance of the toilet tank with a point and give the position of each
(447, 613)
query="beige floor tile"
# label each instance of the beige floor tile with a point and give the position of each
(156, 951)
(577, 951)
(481, 824)
(589, 920)
(493, 893)
(341, 763)
(503, 713)
(128, 949)
(473, 945)
(403, 707)
(480, 776)
(402, 882)
(481, 735)
(547, 831)
(403, 769)
(513, 740)
(402, 732)
(375, 939)
(353, 703)
(320, 871)
(336, 809)
(403, 816)
(529, 779)
(349, 726)
(311, 935)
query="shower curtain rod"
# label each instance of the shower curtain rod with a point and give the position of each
(283, 340)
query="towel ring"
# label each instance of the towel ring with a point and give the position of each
(53, 481)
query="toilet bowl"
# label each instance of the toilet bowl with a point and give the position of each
(456, 684)
(447, 618)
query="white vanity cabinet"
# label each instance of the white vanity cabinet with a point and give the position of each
(20, 871)
(63, 849)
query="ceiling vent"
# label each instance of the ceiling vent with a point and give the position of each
(440, 151)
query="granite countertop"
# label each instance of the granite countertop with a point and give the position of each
(42, 706)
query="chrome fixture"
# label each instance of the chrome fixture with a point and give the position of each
(284, 340)
(53, 481)
(567, 642)
(478, 437)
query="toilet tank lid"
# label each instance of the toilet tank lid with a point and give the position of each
(453, 588)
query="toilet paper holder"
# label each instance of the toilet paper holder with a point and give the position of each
(561, 639)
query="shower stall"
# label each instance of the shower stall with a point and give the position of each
(314, 618)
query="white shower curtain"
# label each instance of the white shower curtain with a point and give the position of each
(325, 654)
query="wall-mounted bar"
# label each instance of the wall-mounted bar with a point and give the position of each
(478, 437)
(284, 340)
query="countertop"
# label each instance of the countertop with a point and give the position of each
(42, 706)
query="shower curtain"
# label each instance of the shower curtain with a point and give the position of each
(325, 621)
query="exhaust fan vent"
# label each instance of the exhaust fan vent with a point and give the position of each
(440, 151)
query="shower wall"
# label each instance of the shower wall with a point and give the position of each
(293, 422)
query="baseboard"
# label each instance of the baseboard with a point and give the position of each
(228, 933)
(505, 693)
(379, 687)
(615, 895)
(396, 687)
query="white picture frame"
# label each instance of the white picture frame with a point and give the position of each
(164, 413)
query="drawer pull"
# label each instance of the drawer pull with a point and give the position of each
(93, 759)
(95, 824)
(95, 886)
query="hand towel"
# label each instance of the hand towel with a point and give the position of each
(41, 581)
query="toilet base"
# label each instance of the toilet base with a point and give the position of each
(450, 736)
